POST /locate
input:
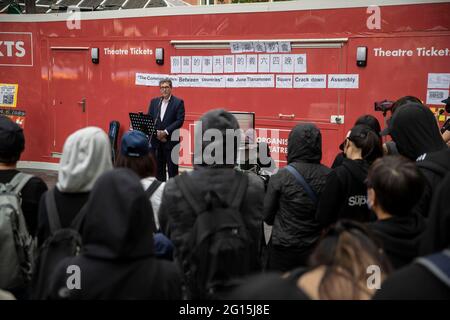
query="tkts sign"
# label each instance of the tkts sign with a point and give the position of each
(16, 49)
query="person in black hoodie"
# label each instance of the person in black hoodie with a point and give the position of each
(366, 119)
(394, 186)
(345, 192)
(437, 236)
(117, 259)
(288, 207)
(416, 134)
(213, 180)
(419, 280)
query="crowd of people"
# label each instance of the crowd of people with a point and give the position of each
(376, 225)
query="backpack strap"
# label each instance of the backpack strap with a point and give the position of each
(185, 185)
(78, 220)
(52, 211)
(241, 191)
(302, 182)
(152, 188)
(18, 182)
(438, 264)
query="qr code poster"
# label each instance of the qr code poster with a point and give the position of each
(8, 95)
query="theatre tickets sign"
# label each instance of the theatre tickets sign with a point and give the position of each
(16, 49)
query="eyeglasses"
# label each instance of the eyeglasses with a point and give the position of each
(164, 88)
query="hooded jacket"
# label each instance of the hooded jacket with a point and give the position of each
(433, 166)
(117, 259)
(287, 206)
(414, 130)
(345, 194)
(177, 217)
(400, 236)
(436, 236)
(86, 155)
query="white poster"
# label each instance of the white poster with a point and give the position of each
(236, 47)
(212, 81)
(310, 80)
(275, 63)
(300, 63)
(252, 63)
(217, 64)
(145, 79)
(271, 47)
(230, 81)
(287, 65)
(343, 81)
(197, 62)
(239, 81)
(185, 64)
(284, 81)
(241, 63)
(259, 46)
(438, 80)
(284, 46)
(228, 63)
(247, 47)
(207, 65)
(175, 64)
(263, 63)
(189, 81)
(436, 96)
(260, 81)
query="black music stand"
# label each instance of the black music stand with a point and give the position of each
(143, 122)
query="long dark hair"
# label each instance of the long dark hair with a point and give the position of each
(368, 141)
(346, 252)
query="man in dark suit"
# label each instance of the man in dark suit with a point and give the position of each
(167, 112)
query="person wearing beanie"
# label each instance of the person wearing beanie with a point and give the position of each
(12, 144)
(213, 180)
(86, 155)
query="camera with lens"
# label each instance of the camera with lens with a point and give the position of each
(384, 106)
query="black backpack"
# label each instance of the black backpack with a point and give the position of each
(220, 245)
(62, 243)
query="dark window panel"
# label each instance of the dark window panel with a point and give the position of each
(134, 4)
